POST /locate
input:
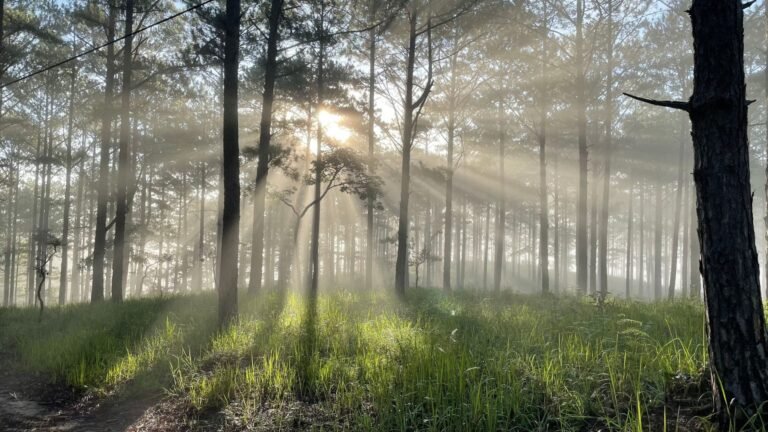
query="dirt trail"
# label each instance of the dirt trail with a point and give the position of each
(28, 403)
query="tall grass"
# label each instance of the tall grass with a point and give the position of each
(434, 362)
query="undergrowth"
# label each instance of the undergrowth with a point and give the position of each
(434, 362)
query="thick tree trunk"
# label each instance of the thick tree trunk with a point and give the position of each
(230, 216)
(718, 111)
(265, 136)
(100, 237)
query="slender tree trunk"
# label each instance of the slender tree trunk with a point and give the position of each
(124, 158)
(593, 234)
(99, 246)
(630, 216)
(197, 276)
(67, 192)
(604, 219)
(401, 264)
(501, 211)
(449, 176)
(314, 254)
(265, 135)
(371, 144)
(685, 272)
(581, 107)
(230, 217)
(657, 244)
(486, 247)
(676, 224)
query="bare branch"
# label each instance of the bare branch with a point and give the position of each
(685, 106)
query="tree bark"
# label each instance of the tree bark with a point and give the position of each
(100, 237)
(581, 108)
(371, 145)
(718, 111)
(265, 136)
(67, 191)
(230, 216)
(124, 161)
(676, 225)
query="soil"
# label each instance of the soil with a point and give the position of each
(30, 402)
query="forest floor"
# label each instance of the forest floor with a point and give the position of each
(433, 362)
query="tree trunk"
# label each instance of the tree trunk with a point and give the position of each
(124, 160)
(401, 264)
(718, 111)
(676, 224)
(449, 177)
(603, 260)
(371, 145)
(314, 253)
(230, 216)
(543, 206)
(99, 246)
(265, 135)
(501, 212)
(657, 244)
(581, 108)
(630, 215)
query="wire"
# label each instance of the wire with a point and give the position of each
(92, 50)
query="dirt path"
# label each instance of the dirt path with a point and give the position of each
(29, 403)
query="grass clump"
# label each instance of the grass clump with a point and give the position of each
(433, 362)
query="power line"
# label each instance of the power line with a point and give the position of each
(92, 50)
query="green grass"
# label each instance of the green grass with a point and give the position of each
(358, 362)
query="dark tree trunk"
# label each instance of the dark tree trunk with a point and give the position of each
(230, 216)
(695, 253)
(718, 111)
(314, 252)
(124, 161)
(100, 237)
(738, 341)
(401, 263)
(265, 136)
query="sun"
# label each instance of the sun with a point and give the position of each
(332, 126)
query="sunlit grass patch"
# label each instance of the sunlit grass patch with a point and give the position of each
(358, 361)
